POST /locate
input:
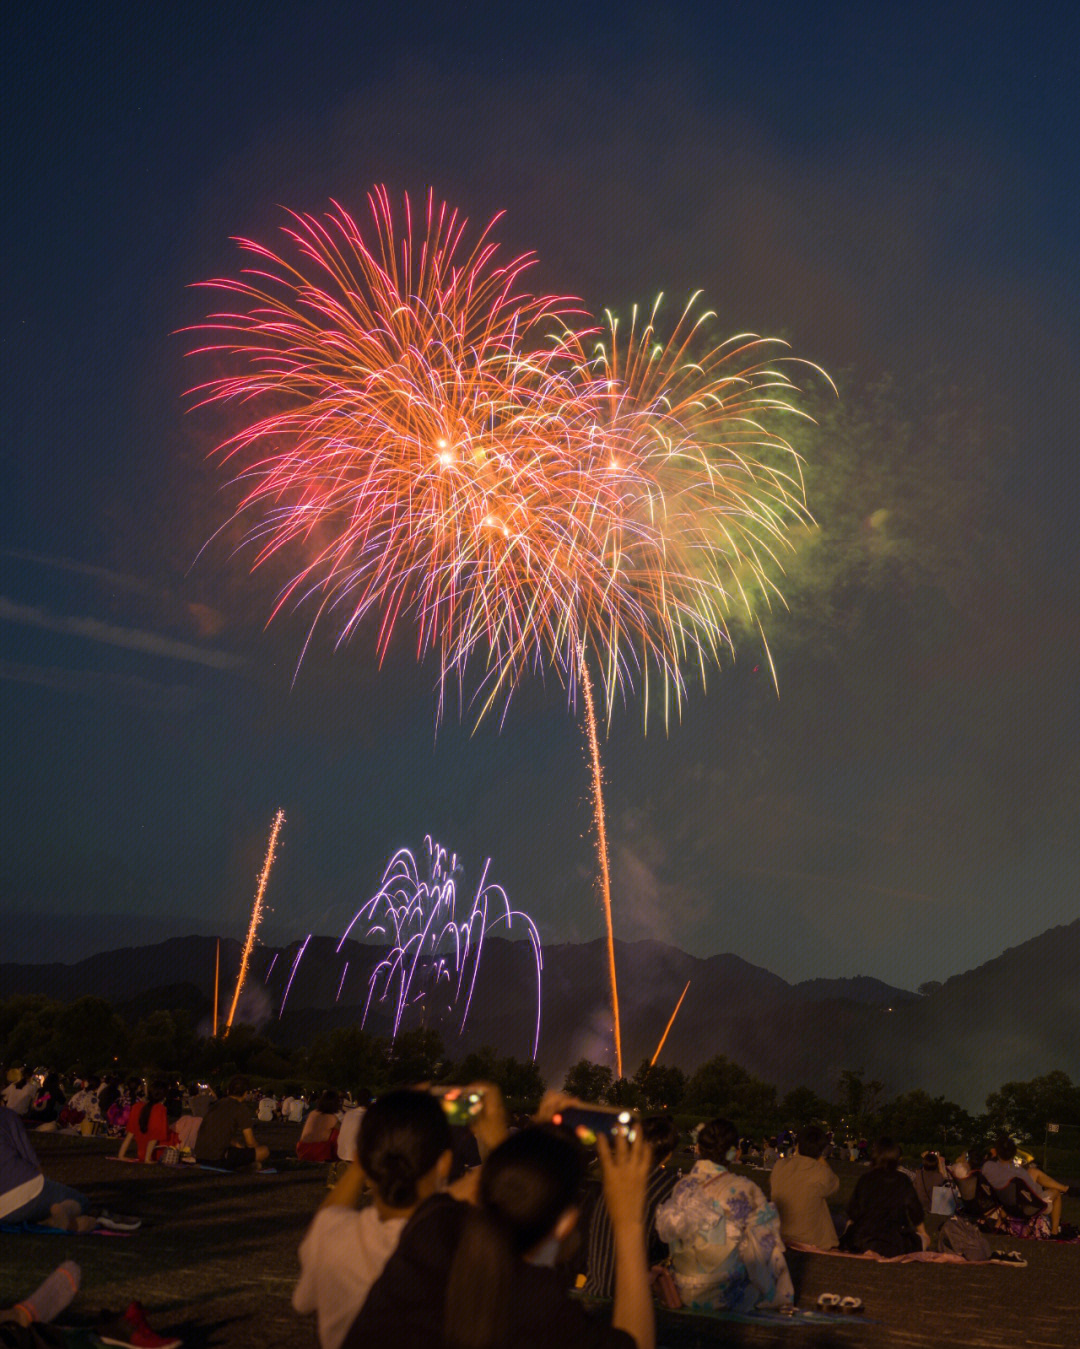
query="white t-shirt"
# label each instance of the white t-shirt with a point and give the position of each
(266, 1109)
(292, 1108)
(341, 1256)
(349, 1134)
(18, 1098)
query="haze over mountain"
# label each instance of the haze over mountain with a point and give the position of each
(1013, 1017)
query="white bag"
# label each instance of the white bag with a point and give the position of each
(943, 1200)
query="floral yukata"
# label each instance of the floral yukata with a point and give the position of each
(724, 1235)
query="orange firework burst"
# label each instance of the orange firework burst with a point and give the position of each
(445, 448)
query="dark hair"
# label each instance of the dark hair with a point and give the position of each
(155, 1094)
(885, 1154)
(813, 1140)
(716, 1140)
(1005, 1148)
(526, 1185)
(329, 1103)
(363, 1098)
(930, 1161)
(662, 1132)
(402, 1136)
(238, 1086)
(976, 1155)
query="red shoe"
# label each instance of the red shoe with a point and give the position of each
(133, 1330)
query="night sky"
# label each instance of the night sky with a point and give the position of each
(895, 191)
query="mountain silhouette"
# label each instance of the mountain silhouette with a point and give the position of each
(1013, 1017)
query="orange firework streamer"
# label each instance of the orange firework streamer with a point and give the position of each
(217, 981)
(256, 916)
(671, 1022)
(602, 853)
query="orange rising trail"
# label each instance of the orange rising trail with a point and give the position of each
(671, 1022)
(601, 848)
(256, 916)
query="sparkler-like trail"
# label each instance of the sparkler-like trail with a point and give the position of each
(669, 1025)
(601, 847)
(217, 981)
(256, 916)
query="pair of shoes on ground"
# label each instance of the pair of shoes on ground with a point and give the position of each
(833, 1302)
(117, 1222)
(1013, 1258)
(133, 1331)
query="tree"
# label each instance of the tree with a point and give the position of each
(919, 1119)
(588, 1081)
(803, 1106)
(415, 1056)
(722, 1088)
(348, 1057)
(164, 1042)
(87, 1033)
(1024, 1109)
(519, 1081)
(661, 1088)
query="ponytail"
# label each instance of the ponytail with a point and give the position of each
(477, 1314)
(526, 1186)
(402, 1136)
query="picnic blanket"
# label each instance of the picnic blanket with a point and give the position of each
(43, 1229)
(909, 1257)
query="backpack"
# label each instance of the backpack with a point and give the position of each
(958, 1236)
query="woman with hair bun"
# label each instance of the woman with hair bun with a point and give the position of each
(404, 1157)
(724, 1235)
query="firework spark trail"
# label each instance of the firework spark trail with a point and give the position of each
(292, 974)
(340, 986)
(270, 967)
(602, 853)
(256, 916)
(429, 946)
(671, 1022)
(532, 500)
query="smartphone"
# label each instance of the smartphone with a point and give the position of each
(460, 1105)
(587, 1123)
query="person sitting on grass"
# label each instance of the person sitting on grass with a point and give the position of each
(661, 1133)
(800, 1186)
(726, 1250)
(404, 1156)
(318, 1137)
(148, 1126)
(884, 1213)
(480, 1276)
(227, 1136)
(27, 1197)
(1004, 1171)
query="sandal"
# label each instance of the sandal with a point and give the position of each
(852, 1305)
(828, 1302)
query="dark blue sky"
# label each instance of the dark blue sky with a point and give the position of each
(895, 191)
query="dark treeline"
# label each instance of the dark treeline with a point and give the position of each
(90, 1036)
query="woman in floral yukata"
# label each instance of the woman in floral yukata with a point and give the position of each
(724, 1235)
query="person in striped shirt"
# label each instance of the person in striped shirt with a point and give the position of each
(660, 1131)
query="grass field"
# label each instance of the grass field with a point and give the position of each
(215, 1262)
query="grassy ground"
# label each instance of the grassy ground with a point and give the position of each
(215, 1262)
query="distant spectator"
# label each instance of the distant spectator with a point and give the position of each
(1003, 1170)
(660, 1131)
(267, 1107)
(884, 1212)
(202, 1098)
(148, 1126)
(20, 1091)
(800, 1187)
(930, 1176)
(45, 1108)
(227, 1135)
(318, 1138)
(349, 1133)
(293, 1107)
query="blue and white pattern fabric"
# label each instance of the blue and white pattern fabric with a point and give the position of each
(724, 1235)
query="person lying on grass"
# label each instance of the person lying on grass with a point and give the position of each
(27, 1197)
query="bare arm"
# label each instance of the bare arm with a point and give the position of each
(125, 1146)
(626, 1176)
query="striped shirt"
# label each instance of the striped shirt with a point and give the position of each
(600, 1278)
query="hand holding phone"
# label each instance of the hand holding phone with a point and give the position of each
(461, 1105)
(589, 1123)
